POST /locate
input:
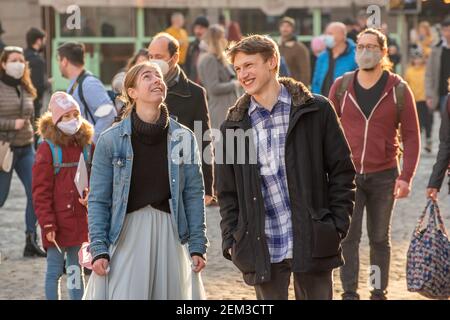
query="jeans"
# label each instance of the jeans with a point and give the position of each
(374, 191)
(55, 269)
(307, 285)
(22, 163)
(443, 105)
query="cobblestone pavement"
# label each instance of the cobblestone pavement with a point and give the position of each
(24, 278)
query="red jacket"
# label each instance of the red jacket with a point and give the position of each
(373, 140)
(55, 197)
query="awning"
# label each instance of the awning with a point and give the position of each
(268, 6)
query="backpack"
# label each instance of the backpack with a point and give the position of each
(57, 157)
(399, 97)
(111, 94)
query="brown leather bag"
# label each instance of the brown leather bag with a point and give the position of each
(6, 156)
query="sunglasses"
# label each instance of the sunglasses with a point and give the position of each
(13, 49)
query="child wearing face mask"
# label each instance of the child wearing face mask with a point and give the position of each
(61, 210)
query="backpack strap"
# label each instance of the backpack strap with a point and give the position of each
(399, 92)
(87, 153)
(343, 86)
(56, 156)
(399, 96)
(87, 110)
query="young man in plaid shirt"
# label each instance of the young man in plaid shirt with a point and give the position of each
(285, 183)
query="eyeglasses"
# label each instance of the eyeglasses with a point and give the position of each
(13, 49)
(370, 47)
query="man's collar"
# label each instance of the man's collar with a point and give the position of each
(283, 97)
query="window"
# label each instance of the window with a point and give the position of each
(256, 21)
(102, 22)
(158, 20)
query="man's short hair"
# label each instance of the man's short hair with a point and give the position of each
(174, 45)
(177, 14)
(339, 25)
(289, 20)
(254, 44)
(33, 35)
(72, 51)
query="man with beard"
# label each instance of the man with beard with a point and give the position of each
(373, 105)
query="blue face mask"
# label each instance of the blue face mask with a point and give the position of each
(329, 41)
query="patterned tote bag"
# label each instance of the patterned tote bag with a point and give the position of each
(428, 262)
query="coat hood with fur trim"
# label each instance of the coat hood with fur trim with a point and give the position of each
(298, 91)
(47, 130)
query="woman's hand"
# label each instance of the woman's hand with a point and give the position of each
(199, 263)
(84, 201)
(19, 124)
(100, 267)
(51, 236)
(432, 193)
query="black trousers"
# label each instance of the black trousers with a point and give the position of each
(307, 286)
(425, 118)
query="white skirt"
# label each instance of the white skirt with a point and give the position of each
(148, 263)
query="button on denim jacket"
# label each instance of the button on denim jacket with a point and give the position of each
(110, 186)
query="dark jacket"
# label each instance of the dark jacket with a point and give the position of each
(187, 102)
(320, 176)
(297, 59)
(190, 66)
(38, 71)
(443, 156)
(2, 46)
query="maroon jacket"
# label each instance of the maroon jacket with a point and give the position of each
(55, 197)
(373, 141)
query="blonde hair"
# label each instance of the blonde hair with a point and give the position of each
(130, 81)
(427, 27)
(217, 43)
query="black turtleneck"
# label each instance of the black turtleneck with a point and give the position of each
(12, 82)
(150, 174)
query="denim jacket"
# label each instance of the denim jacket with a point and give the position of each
(110, 186)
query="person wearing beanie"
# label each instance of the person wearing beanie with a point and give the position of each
(294, 52)
(196, 48)
(66, 138)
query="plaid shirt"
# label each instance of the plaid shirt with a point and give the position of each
(269, 132)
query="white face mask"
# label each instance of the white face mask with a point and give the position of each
(163, 65)
(15, 69)
(70, 127)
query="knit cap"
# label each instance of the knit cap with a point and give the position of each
(60, 104)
